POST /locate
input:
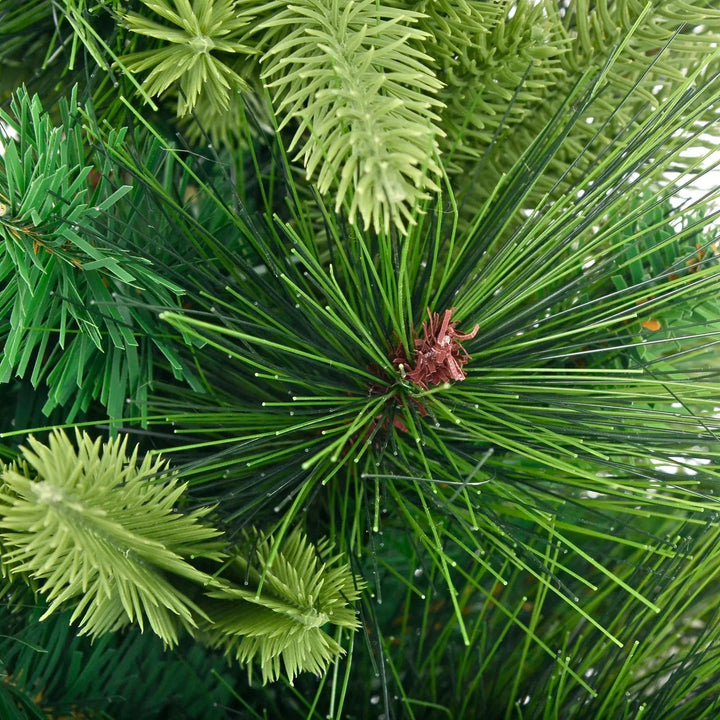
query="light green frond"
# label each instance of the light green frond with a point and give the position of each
(282, 598)
(488, 53)
(354, 77)
(95, 527)
(661, 42)
(454, 27)
(202, 31)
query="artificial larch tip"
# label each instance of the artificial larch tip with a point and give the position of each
(439, 356)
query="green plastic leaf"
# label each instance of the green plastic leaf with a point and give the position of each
(95, 527)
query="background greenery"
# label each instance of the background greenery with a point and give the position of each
(223, 227)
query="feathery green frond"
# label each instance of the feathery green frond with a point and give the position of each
(197, 40)
(96, 528)
(284, 593)
(496, 61)
(364, 96)
(70, 289)
(523, 68)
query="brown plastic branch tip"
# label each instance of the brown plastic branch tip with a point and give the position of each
(439, 356)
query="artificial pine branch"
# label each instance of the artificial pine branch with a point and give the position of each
(94, 528)
(47, 668)
(70, 291)
(406, 80)
(550, 411)
(671, 40)
(496, 61)
(537, 496)
(303, 589)
(398, 83)
(197, 34)
(354, 77)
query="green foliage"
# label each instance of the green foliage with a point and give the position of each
(95, 528)
(91, 528)
(303, 589)
(21, 31)
(558, 435)
(505, 671)
(201, 31)
(378, 90)
(496, 395)
(496, 68)
(69, 289)
(375, 92)
(364, 97)
(516, 73)
(50, 672)
(668, 250)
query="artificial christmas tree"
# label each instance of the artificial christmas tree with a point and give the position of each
(411, 312)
